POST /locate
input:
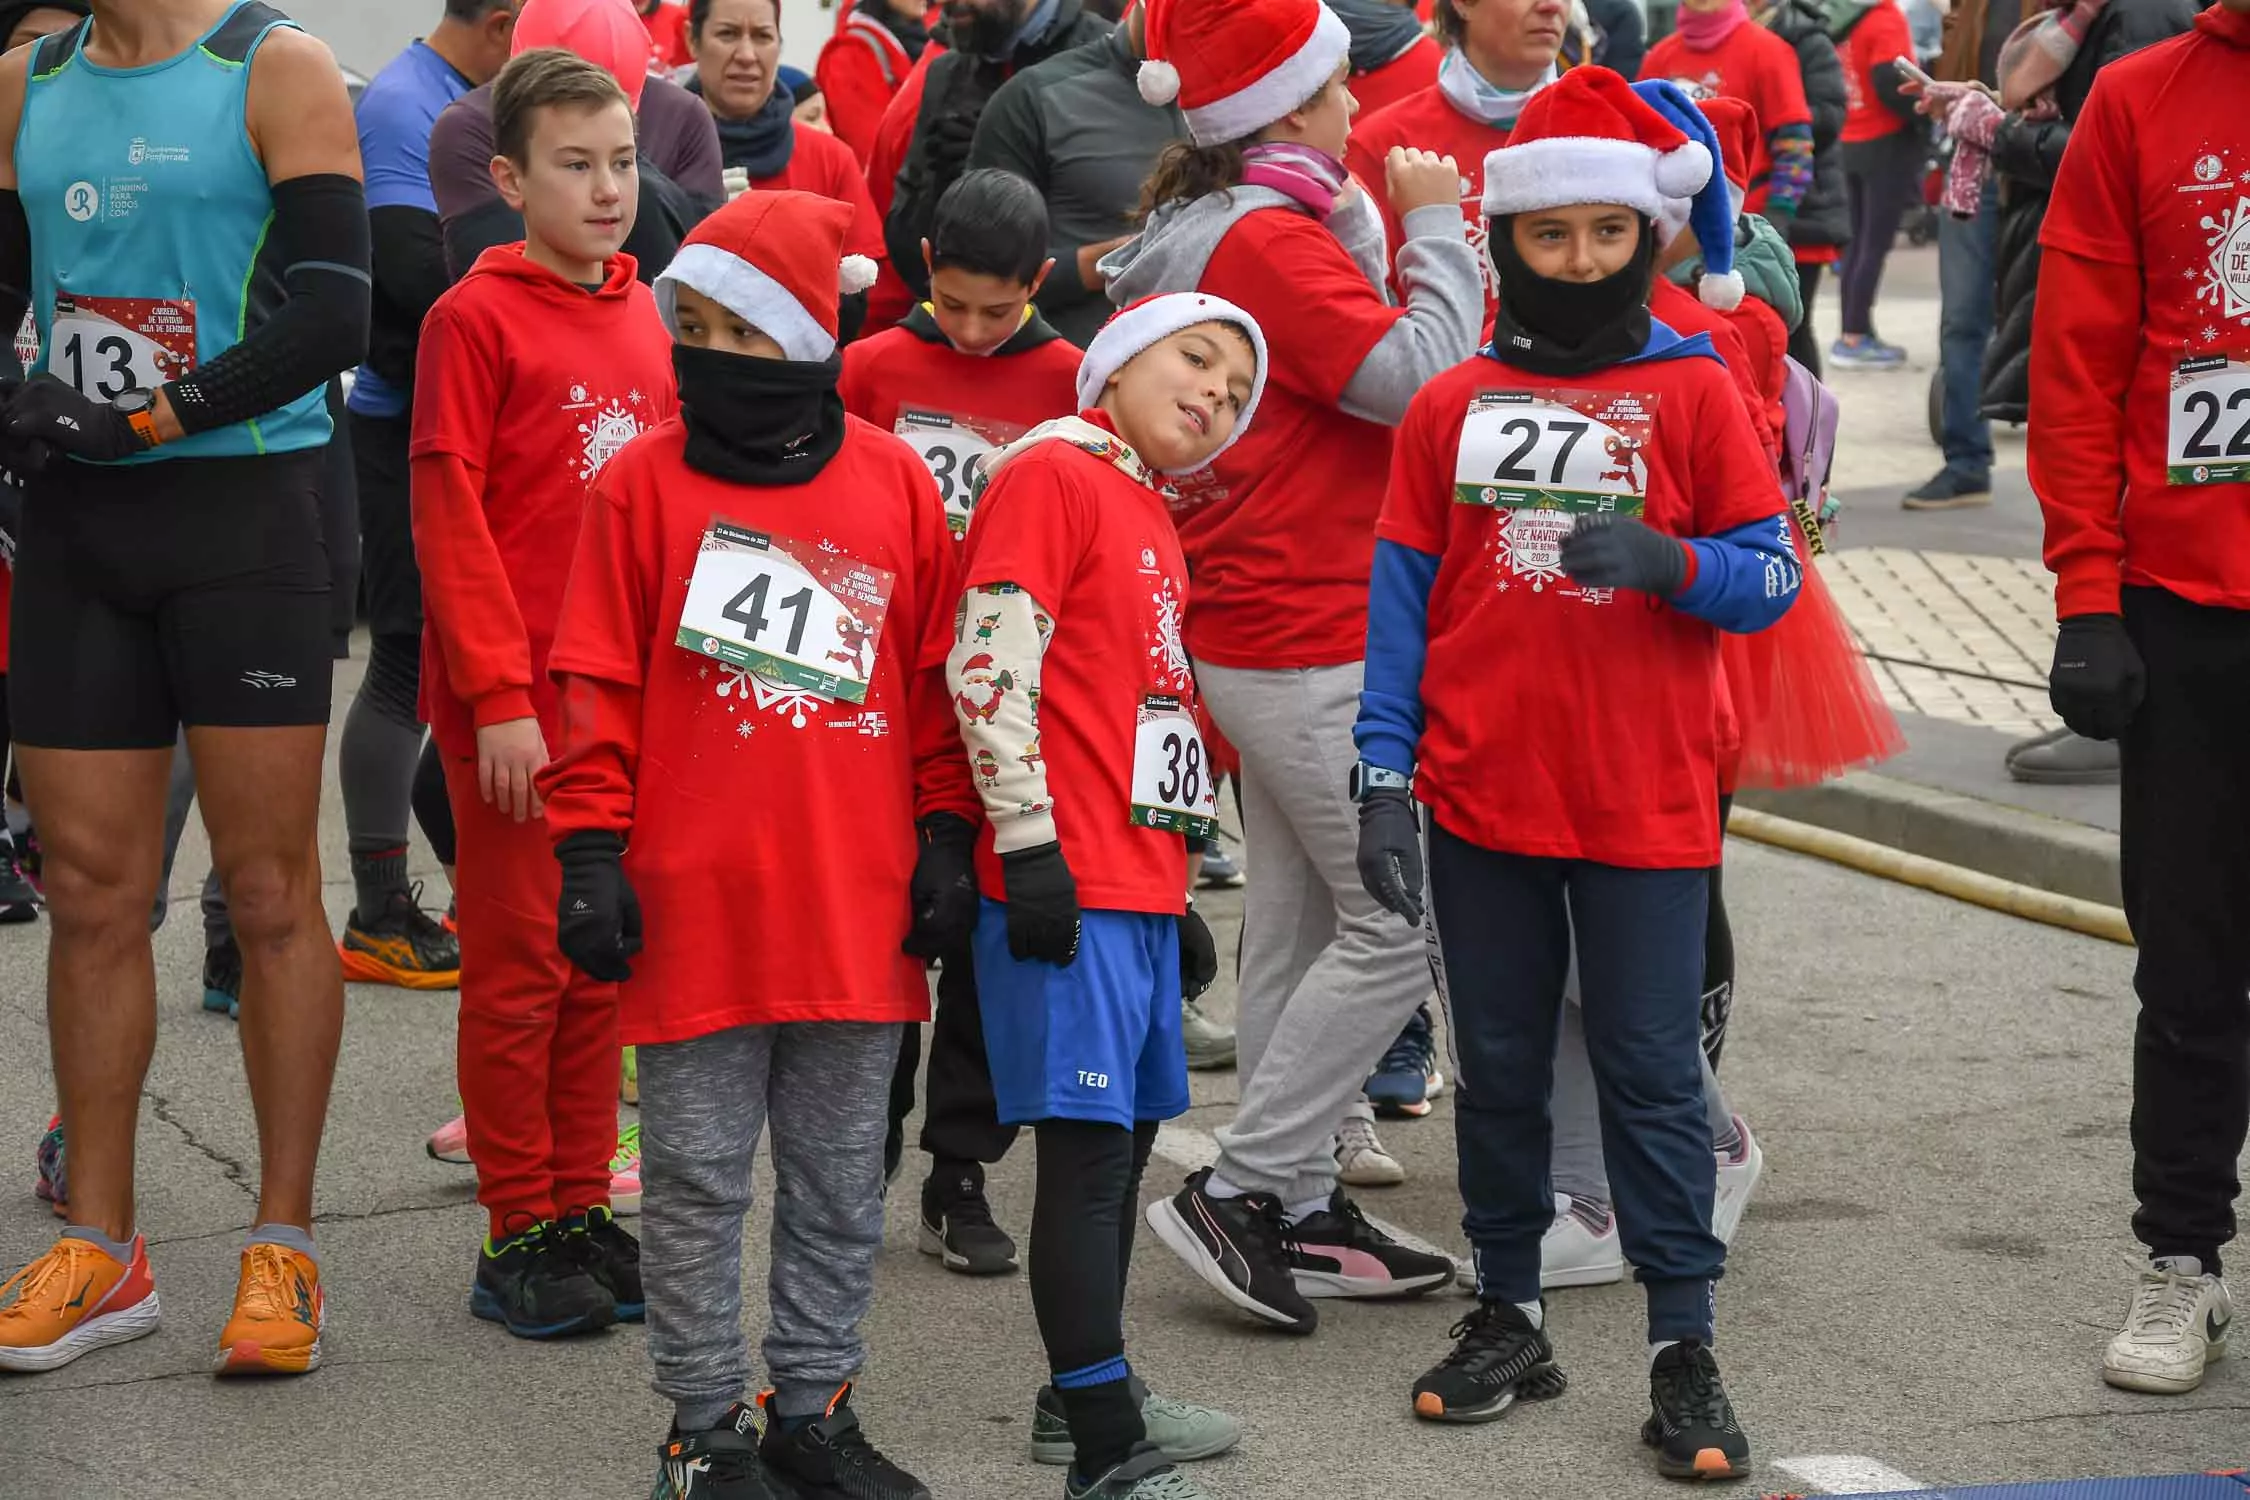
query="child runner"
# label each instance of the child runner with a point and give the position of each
(1571, 461)
(1077, 705)
(752, 673)
(514, 418)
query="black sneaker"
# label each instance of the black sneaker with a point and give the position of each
(831, 1459)
(718, 1463)
(1241, 1246)
(19, 902)
(1950, 489)
(1691, 1423)
(957, 1224)
(1498, 1359)
(1337, 1253)
(539, 1291)
(611, 1255)
(222, 979)
(404, 946)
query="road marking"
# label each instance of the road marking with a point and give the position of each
(1846, 1474)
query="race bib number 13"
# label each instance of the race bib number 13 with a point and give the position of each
(1171, 772)
(805, 618)
(2208, 432)
(106, 346)
(1573, 451)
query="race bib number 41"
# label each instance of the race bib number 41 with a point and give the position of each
(2208, 432)
(956, 449)
(800, 616)
(1574, 451)
(106, 346)
(1171, 772)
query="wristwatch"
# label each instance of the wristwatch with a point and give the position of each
(1367, 778)
(139, 409)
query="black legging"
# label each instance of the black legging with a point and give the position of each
(1804, 346)
(1081, 1252)
(1718, 953)
(431, 810)
(1878, 179)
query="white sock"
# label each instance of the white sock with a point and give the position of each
(1658, 1348)
(1535, 1311)
(1218, 1187)
(2179, 1265)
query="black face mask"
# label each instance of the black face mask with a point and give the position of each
(1568, 327)
(759, 421)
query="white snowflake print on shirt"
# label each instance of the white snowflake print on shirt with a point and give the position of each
(1527, 548)
(1167, 653)
(2226, 276)
(606, 424)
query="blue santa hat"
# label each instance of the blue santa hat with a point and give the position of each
(1710, 210)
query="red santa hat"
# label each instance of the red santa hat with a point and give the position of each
(1143, 324)
(1736, 125)
(1236, 66)
(776, 260)
(607, 33)
(1588, 138)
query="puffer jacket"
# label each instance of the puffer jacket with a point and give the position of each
(1824, 219)
(2025, 156)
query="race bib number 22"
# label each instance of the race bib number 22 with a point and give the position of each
(2207, 438)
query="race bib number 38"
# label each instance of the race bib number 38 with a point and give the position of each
(1171, 772)
(1573, 451)
(2208, 432)
(803, 617)
(956, 449)
(106, 346)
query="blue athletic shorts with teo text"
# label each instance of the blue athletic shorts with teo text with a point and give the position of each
(1099, 1040)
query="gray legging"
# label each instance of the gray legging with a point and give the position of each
(1878, 182)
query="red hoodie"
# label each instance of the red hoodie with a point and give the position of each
(525, 387)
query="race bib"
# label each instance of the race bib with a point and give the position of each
(1171, 773)
(1577, 452)
(106, 346)
(800, 616)
(956, 449)
(2208, 437)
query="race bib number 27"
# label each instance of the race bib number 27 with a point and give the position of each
(106, 346)
(1567, 450)
(800, 616)
(2207, 439)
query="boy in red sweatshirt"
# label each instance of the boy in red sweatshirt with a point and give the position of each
(758, 758)
(542, 363)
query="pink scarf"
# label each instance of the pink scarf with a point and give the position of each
(1305, 173)
(1703, 31)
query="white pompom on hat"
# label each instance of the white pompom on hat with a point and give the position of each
(776, 260)
(1140, 325)
(1236, 66)
(1588, 138)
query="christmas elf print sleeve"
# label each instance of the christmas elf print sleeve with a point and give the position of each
(806, 617)
(1574, 451)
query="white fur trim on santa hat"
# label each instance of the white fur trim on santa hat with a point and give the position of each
(1154, 320)
(759, 300)
(1282, 89)
(1556, 170)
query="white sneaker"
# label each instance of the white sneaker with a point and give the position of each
(450, 1142)
(1575, 1253)
(2177, 1324)
(1738, 1178)
(1361, 1160)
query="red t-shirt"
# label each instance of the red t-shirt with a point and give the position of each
(667, 37)
(1685, 313)
(1097, 551)
(1430, 121)
(1561, 722)
(1410, 72)
(822, 164)
(1880, 36)
(770, 830)
(1281, 530)
(2152, 213)
(533, 385)
(1752, 65)
(860, 68)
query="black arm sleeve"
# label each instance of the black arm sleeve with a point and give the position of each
(320, 327)
(471, 233)
(15, 274)
(410, 275)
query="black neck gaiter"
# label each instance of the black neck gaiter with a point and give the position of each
(759, 421)
(1568, 327)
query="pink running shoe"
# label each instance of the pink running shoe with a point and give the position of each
(625, 1172)
(450, 1142)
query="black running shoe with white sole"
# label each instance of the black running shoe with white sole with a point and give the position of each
(719, 1463)
(831, 1459)
(1241, 1246)
(957, 1224)
(1337, 1253)
(1498, 1359)
(1691, 1423)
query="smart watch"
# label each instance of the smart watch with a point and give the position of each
(139, 410)
(1367, 778)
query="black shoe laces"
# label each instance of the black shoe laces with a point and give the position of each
(967, 1208)
(420, 926)
(1484, 1335)
(1691, 1394)
(1268, 1225)
(1406, 1055)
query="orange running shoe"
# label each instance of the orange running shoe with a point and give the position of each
(407, 947)
(278, 1311)
(71, 1301)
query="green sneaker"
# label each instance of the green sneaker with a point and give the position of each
(1146, 1475)
(1181, 1431)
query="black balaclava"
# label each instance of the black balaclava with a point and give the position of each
(759, 421)
(1568, 327)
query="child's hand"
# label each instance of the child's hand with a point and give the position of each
(509, 754)
(1420, 179)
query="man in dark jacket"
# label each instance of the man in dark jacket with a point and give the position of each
(1823, 221)
(991, 42)
(1077, 128)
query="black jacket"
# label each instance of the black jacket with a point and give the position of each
(2025, 157)
(1825, 217)
(953, 99)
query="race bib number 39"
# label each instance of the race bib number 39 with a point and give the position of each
(800, 616)
(106, 346)
(956, 449)
(1171, 773)
(2208, 433)
(1573, 451)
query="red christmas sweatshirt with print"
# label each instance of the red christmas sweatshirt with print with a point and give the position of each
(525, 387)
(769, 827)
(1752, 65)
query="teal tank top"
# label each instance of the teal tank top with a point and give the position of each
(151, 224)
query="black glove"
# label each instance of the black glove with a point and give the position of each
(1618, 552)
(2097, 681)
(1043, 917)
(1390, 851)
(44, 410)
(946, 148)
(944, 888)
(598, 921)
(11, 517)
(1199, 955)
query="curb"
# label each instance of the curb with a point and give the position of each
(2006, 843)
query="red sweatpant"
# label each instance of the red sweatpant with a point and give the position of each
(538, 1045)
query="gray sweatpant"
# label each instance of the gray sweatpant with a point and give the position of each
(1578, 1166)
(1328, 977)
(825, 1088)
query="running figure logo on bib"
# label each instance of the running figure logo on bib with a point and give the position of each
(803, 617)
(1172, 787)
(1545, 458)
(2207, 440)
(956, 448)
(106, 346)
